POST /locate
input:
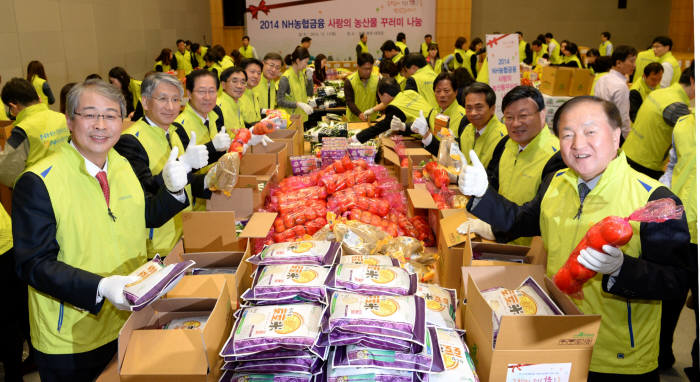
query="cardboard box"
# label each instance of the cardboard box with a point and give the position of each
(556, 80)
(290, 136)
(210, 231)
(408, 142)
(581, 82)
(451, 248)
(297, 125)
(524, 340)
(279, 149)
(148, 353)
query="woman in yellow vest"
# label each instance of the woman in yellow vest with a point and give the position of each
(295, 86)
(361, 91)
(37, 76)
(130, 88)
(571, 55)
(165, 61)
(433, 58)
(319, 76)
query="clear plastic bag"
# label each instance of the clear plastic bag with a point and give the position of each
(449, 157)
(225, 173)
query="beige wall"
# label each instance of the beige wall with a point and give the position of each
(74, 38)
(577, 21)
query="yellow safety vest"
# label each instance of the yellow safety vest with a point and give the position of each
(411, 103)
(520, 172)
(266, 93)
(226, 62)
(166, 68)
(135, 89)
(555, 55)
(437, 66)
(650, 137)
(5, 231)
(249, 106)
(401, 80)
(397, 57)
(537, 55)
(184, 61)
(619, 191)
(603, 48)
(456, 64)
(401, 46)
(297, 91)
(572, 58)
(246, 52)
(163, 239)
(456, 112)
(595, 79)
(38, 84)
(641, 86)
(108, 247)
(365, 95)
(494, 131)
(45, 129)
(668, 57)
(522, 45)
(424, 78)
(483, 75)
(200, 57)
(363, 47)
(644, 58)
(683, 181)
(424, 49)
(231, 109)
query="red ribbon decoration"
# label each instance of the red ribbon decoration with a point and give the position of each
(262, 7)
(493, 41)
(518, 366)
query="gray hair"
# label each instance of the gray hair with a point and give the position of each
(98, 86)
(151, 82)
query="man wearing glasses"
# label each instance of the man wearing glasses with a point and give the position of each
(79, 221)
(523, 158)
(266, 90)
(147, 145)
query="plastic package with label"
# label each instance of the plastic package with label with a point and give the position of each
(231, 376)
(155, 279)
(308, 252)
(224, 175)
(289, 283)
(440, 305)
(194, 322)
(458, 364)
(369, 260)
(373, 279)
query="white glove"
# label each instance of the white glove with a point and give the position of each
(396, 124)
(195, 156)
(112, 288)
(473, 179)
(174, 173)
(368, 112)
(222, 140)
(306, 108)
(354, 140)
(256, 139)
(607, 262)
(309, 72)
(478, 227)
(312, 102)
(420, 125)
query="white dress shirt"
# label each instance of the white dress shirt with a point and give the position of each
(613, 87)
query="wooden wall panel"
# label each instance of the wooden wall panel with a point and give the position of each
(228, 37)
(452, 19)
(680, 28)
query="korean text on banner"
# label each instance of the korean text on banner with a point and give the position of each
(504, 65)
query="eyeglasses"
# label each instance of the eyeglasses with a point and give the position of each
(520, 117)
(94, 117)
(205, 92)
(164, 100)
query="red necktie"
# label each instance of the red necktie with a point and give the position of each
(102, 178)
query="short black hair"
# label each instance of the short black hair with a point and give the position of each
(611, 111)
(482, 88)
(305, 39)
(593, 53)
(621, 53)
(536, 42)
(663, 40)
(230, 70)
(190, 79)
(178, 41)
(475, 41)
(606, 35)
(388, 85)
(93, 76)
(251, 61)
(603, 64)
(548, 35)
(520, 33)
(459, 43)
(273, 56)
(364, 58)
(401, 36)
(19, 91)
(653, 67)
(245, 38)
(445, 76)
(388, 67)
(521, 92)
(362, 34)
(387, 46)
(416, 59)
(428, 35)
(687, 74)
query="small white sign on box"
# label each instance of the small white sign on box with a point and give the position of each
(541, 372)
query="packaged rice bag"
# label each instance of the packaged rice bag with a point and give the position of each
(528, 299)
(187, 323)
(440, 305)
(288, 282)
(358, 356)
(285, 365)
(155, 280)
(309, 252)
(354, 317)
(381, 260)
(281, 354)
(368, 374)
(373, 279)
(272, 327)
(457, 363)
(231, 376)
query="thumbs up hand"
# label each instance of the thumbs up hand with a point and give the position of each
(473, 179)
(221, 140)
(195, 156)
(420, 125)
(174, 173)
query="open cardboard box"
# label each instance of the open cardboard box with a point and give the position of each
(248, 196)
(409, 142)
(298, 126)
(290, 138)
(524, 340)
(148, 353)
(279, 149)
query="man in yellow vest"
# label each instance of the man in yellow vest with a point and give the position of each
(445, 88)
(420, 77)
(662, 46)
(391, 52)
(249, 105)
(36, 134)
(361, 46)
(183, 57)
(233, 80)
(539, 50)
(401, 43)
(641, 88)
(606, 47)
(361, 91)
(79, 221)
(425, 44)
(266, 91)
(198, 52)
(648, 143)
(524, 50)
(553, 49)
(247, 50)
(644, 58)
(521, 160)
(403, 108)
(599, 183)
(147, 144)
